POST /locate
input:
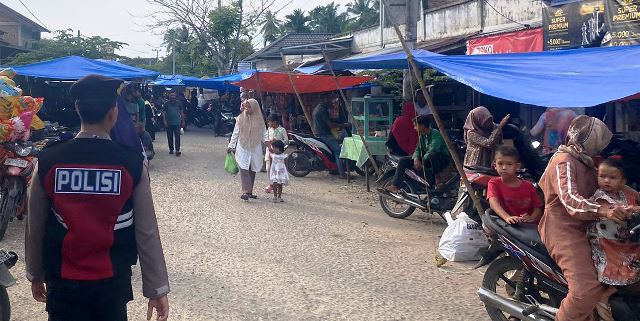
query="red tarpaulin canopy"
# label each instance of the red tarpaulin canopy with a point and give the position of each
(276, 82)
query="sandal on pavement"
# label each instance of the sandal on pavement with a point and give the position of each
(244, 197)
(252, 196)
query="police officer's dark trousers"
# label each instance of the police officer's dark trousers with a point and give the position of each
(173, 131)
(104, 300)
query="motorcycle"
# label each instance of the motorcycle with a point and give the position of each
(530, 283)
(18, 163)
(415, 192)
(226, 124)
(7, 261)
(202, 117)
(312, 154)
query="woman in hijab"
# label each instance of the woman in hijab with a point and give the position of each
(248, 135)
(403, 138)
(482, 137)
(568, 183)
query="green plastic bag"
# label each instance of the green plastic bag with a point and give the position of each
(230, 165)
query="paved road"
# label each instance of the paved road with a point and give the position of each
(327, 253)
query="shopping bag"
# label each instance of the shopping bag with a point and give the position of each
(463, 240)
(230, 165)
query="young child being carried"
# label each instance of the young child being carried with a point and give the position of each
(278, 173)
(276, 132)
(513, 199)
(616, 258)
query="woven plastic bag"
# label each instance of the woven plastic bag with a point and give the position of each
(463, 240)
(230, 165)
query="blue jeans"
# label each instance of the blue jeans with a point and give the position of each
(335, 148)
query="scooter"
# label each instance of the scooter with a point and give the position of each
(312, 154)
(526, 283)
(18, 163)
(7, 261)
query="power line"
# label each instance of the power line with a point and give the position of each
(25, 6)
(503, 15)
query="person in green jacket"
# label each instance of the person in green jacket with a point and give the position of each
(431, 154)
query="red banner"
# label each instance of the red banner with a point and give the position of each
(277, 82)
(530, 40)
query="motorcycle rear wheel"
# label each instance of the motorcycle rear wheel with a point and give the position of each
(5, 306)
(6, 212)
(298, 164)
(397, 209)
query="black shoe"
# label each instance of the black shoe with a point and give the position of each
(253, 196)
(178, 154)
(244, 197)
(170, 152)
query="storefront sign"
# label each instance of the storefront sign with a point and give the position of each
(623, 22)
(518, 41)
(574, 25)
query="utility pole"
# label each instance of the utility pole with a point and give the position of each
(157, 54)
(173, 47)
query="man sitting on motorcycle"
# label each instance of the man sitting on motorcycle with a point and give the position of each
(431, 154)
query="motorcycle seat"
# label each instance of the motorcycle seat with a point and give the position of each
(525, 233)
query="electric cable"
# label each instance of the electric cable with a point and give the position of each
(25, 6)
(504, 16)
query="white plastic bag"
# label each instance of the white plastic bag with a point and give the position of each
(463, 240)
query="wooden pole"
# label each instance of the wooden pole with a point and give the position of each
(293, 85)
(436, 115)
(351, 119)
(260, 93)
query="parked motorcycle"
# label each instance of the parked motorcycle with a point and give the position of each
(414, 193)
(312, 154)
(226, 124)
(18, 162)
(526, 283)
(7, 261)
(202, 117)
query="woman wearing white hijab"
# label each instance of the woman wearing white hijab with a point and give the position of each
(248, 135)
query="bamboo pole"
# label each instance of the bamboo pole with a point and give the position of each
(351, 119)
(293, 85)
(260, 93)
(436, 115)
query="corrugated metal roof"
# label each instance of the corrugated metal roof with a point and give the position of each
(288, 40)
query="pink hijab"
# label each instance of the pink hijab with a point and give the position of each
(479, 120)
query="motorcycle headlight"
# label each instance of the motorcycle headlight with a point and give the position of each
(23, 150)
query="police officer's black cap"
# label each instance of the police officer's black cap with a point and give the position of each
(96, 88)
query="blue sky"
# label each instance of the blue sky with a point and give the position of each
(121, 20)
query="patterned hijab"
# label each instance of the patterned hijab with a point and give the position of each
(479, 120)
(587, 137)
(251, 125)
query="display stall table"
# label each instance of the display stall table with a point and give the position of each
(353, 148)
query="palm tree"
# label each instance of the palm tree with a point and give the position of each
(326, 19)
(271, 27)
(365, 12)
(296, 22)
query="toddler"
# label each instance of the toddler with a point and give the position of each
(513, 199)
(276, 132)
(616, 258)
(278, 172)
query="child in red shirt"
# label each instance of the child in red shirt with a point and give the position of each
(513, 199)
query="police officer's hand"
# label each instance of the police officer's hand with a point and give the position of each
(39, 291)
(161, 305)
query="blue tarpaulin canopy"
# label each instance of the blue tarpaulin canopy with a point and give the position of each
(222, 83)
(394, 60)
(75, 67)
(565, 78)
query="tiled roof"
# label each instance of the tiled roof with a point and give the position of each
(288, 40)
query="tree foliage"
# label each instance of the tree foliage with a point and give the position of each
(66, 43)
(220, 35)
(328, 19)
(271, 27)
(364, 13)
(296, 22)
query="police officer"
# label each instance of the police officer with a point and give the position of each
(90, 217)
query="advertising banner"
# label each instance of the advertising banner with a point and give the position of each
(574, 25)
(518, 41)
(623, 22)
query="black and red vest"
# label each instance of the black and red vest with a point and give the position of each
(89, 183)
